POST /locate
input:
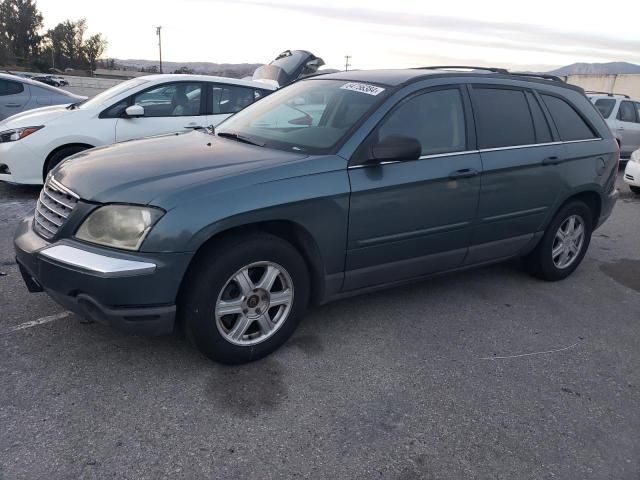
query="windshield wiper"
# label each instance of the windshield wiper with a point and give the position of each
(240, 138)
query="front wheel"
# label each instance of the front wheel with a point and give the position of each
(563, 244)
(245, 298)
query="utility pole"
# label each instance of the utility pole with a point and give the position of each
(159, 33)
(346, 62)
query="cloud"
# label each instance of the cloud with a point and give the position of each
(505, 35)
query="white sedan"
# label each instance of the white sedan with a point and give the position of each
(34, 142)
(632, 172)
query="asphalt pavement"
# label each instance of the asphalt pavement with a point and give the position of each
(488, 374)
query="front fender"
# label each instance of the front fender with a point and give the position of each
(318, 203)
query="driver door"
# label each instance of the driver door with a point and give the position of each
(168, 108)
(411, 218)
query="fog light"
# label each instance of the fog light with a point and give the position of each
(4, 169)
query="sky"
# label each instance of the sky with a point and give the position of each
(537, 35)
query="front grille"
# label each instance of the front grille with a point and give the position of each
(628, 177)
(54, 206)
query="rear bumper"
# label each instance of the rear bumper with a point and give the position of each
(607, 206)
(135, 293)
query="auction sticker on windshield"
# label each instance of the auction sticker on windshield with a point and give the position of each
(362, 88)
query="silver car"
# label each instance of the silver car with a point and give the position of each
(622, 114)
(19, 94)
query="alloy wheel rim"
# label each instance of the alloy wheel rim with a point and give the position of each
(568, 242)
(254, 303)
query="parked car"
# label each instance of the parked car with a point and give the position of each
(48, 79)
(632, 172)
(33, 143)
(407, 173)
(622, 114)
(21, 94)
(61, 80)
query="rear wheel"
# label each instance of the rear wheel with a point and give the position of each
(60, 155)
(563, 244)
(635, 189)
(245, 298)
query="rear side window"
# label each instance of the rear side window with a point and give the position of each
(225, 99)
(543, 132)
(605, 105)
(569, 123)
(627, 112)
(10, 88)
(637, 110)
(504, 119)
(435, 119)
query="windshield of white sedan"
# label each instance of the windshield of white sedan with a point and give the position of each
(310, 116)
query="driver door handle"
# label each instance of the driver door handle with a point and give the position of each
(555, 160)
(11, 105)
(464, 173)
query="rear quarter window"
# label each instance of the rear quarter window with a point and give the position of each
(10, 88)
(605, 106)
(570, 125)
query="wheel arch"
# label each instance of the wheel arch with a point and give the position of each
(591, 198)
(292, 232)
(59, 148)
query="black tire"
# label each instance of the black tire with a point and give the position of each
(60, 155)
(210, 274)
(540, 262)
(635, 189)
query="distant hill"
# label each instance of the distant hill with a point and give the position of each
(597, 68)
(237, 70)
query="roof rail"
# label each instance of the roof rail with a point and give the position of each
(465, 67)
(502, 71)
(608, 94)
(544, 76)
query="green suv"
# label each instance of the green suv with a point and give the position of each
(335, 185)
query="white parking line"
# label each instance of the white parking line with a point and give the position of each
(40, 321)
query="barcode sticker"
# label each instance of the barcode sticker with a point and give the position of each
(362, 88)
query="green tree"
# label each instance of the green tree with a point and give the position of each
(20, 23)
(93, 48)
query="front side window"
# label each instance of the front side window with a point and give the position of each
(504, 118)
(435, 119)
(180, 99)
(605, 106)
(569, 123)
(225, 99)
(627, 112)
(10, 88)
(310, 116)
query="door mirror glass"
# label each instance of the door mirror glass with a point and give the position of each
(395, 148)
(134, 111)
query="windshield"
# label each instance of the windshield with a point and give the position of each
(112, 92)
(310, 116)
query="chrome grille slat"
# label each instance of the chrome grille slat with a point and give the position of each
(55, 204)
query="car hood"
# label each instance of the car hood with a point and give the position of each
(156, 170)
(36, 117)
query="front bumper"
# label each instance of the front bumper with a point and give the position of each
(133, 292)
(632, 173)
(19, 164)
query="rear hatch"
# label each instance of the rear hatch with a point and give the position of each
(288, 67)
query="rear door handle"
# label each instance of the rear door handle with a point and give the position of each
(464, 173)
(551, 160)
(12, 105)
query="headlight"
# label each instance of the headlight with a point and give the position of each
(16, 134)
(635, 156)
(119, 226)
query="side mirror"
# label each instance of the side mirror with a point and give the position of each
(134, 111)
(395, 148)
